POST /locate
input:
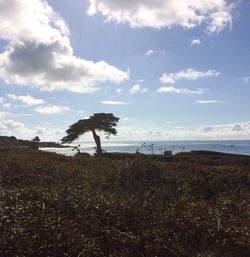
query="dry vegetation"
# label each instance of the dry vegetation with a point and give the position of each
(193, 205)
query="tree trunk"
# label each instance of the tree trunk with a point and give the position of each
(98, 143)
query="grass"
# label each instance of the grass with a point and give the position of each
(192, 205)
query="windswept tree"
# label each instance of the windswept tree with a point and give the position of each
(36, 139)
(34, 144)
(99, 122)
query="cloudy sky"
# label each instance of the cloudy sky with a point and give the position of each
(170, 69)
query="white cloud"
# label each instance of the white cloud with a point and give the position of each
(237, 127)
(196, 41)
(150, 52)
(119, 90)
(110, 102)
(188, 74)
(7, 105)
(235, 130)
(4, 104)
(20, 130)
(47, 133)
(220, 20)
(10, 125)
(239, 130)
(52, 109)
(216, 14)
(153, 52)
(3, 114)
(246, 79)
(174, 90)
(135, 89)
(26, 99)
(39, 52)
(208, 101)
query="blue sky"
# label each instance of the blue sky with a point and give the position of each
(169, 69)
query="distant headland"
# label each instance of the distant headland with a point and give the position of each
(14, 142)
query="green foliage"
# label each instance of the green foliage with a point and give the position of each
(52, 205)
(36, 139)
(34, 143)
(105, 122)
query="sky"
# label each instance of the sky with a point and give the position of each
(169, 69)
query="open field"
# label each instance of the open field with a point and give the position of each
(194, 204)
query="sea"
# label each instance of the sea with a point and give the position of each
(158, 147)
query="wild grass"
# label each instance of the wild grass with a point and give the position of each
(52, 205)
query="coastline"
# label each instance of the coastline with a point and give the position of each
(230, 147)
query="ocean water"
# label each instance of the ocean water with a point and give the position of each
(158, 147)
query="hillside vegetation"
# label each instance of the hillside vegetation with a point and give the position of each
(12, 142)
(194, 205)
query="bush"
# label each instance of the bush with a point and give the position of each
(52, 205)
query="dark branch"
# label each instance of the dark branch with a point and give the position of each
(105, 122)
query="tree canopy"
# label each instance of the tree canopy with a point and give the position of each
(98, 122)
(36, 139)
